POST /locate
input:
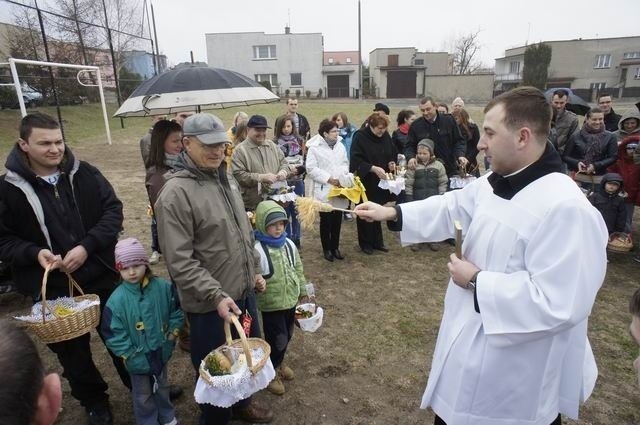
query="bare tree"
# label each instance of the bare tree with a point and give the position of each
(466, 49)
(125, 22)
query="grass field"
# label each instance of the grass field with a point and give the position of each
(369, 362)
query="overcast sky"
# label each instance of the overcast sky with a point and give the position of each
(426, 25)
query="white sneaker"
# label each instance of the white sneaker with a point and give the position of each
(155, 257)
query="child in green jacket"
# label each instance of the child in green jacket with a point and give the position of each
(140, 323)
(286, 285)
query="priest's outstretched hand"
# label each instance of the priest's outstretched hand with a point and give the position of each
(370, 211)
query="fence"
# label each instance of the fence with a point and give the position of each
(114, 35)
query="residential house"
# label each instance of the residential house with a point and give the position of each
(586, 66)
(286, 61)
(400, 72)
(340, 73)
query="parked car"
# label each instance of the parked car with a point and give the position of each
(9, 98)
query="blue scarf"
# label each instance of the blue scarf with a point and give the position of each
(270, 240)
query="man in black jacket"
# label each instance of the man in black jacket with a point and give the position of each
(611, 119)
(450, 146)
(299, 121)
(57, 211)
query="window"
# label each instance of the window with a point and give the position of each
(418, 62)
(392, 60)
(631, 55)
(514, 67)
(296, 79)
(271, 78)
(603, 61)
(264, 52)
(348, 60)
(598, 86)
(636, 76)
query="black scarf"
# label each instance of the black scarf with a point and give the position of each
(596, 140)
(507, 187)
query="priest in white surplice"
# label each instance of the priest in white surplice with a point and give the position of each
(512, 347)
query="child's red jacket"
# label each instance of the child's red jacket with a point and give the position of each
(629, 171)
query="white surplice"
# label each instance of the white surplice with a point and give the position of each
(525, 357)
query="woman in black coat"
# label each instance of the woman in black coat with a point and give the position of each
(471, 134)
(373, 154)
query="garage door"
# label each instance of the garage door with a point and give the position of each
(401, 84)
(337, 86)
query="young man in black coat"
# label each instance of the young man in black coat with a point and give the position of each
(450, 145)
(611, 119)
(61, 212)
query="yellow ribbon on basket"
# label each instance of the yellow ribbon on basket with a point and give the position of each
(353, 193)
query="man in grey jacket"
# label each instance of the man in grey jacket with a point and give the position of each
(565, 122)
(207, 241)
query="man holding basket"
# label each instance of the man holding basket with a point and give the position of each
(61, 212)
(207, 241)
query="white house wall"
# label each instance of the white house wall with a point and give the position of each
(295, 53)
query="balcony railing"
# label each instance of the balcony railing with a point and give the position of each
(509, 77)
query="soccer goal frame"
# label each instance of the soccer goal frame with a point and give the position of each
(81, 70)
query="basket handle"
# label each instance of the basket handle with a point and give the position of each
(72, 284)
(43, 290)
(243, 338)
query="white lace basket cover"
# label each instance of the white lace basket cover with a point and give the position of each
(394, 186)
(226, 390)
(458, 182)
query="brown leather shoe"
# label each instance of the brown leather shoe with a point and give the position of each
(276, 386)
(253, 413)
(286, 373)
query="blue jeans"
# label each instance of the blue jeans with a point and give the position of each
(628, 228)
(152, 408)
(207, 333)
(293, 226)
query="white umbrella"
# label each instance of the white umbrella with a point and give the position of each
(190, 86)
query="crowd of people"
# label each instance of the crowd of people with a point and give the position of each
(506, 302)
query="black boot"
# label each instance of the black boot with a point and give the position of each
(337, 254)
(328, 255)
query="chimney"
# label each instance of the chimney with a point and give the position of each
(287, 29)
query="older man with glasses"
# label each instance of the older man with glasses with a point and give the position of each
(215, 276)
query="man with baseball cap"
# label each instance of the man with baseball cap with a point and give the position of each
(257, 161)
(215, 276)
(381, 107)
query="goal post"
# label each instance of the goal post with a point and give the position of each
(81, 69)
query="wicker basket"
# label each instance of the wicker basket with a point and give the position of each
(620, 242)
(247, 344)
(67, 327)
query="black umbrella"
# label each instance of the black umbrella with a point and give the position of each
(575, 103)
(191, 86)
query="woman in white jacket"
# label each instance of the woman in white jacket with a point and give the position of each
(328, 167)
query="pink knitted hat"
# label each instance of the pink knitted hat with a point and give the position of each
(130, 252)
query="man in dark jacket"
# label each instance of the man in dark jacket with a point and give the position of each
(59, 212)
(450, 146)
(611, 119)
(300, 122)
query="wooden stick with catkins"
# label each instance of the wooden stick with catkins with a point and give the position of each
(308, 209)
